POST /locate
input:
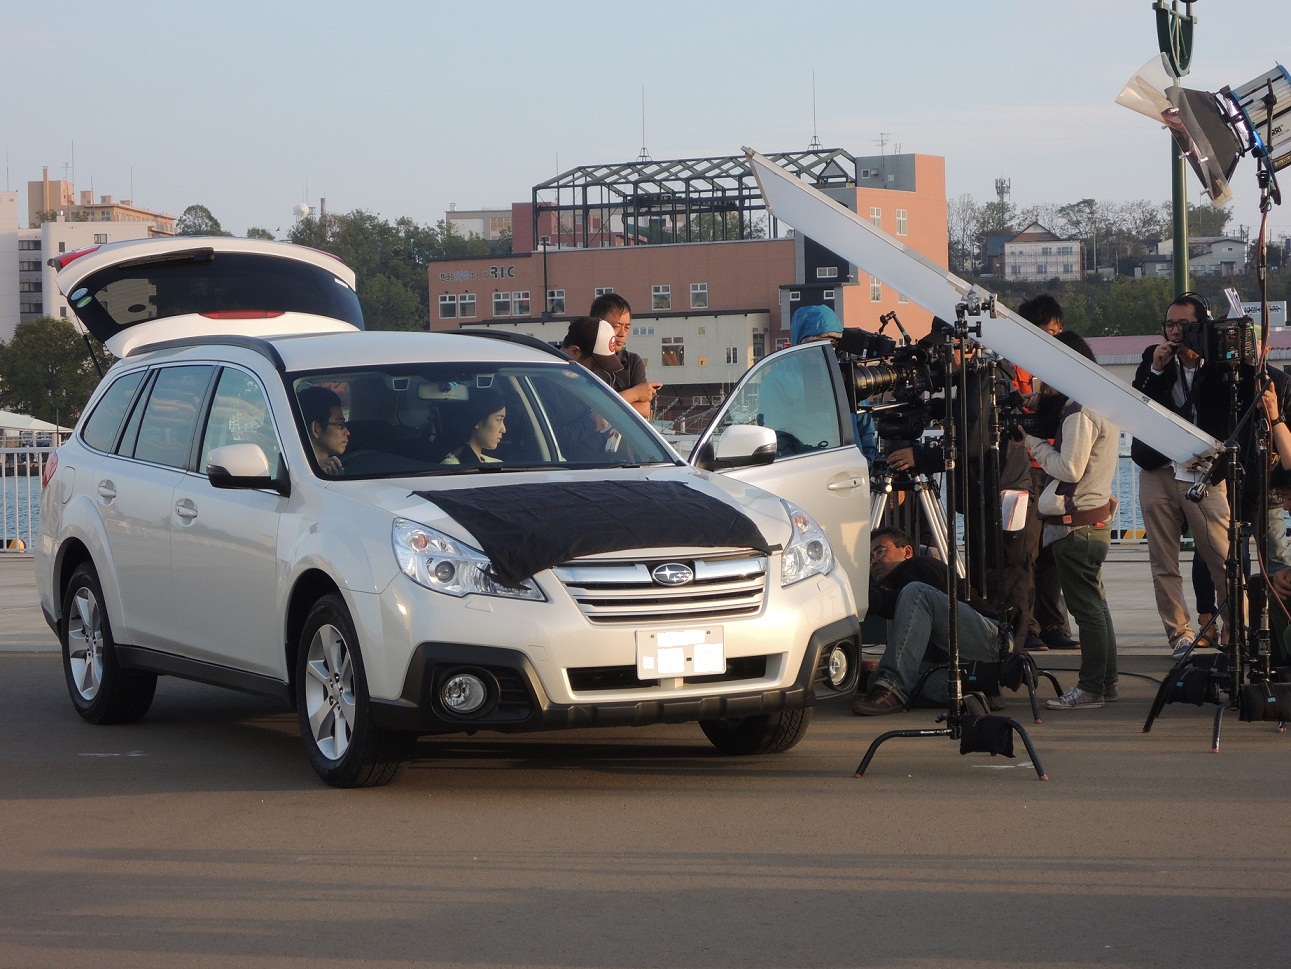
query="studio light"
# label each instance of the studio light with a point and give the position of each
(1215, 130)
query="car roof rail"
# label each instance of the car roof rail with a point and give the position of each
(511, 336)
(255, 343)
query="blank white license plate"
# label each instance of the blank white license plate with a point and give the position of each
(663, 653)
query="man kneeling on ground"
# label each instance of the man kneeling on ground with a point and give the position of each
(909, 590)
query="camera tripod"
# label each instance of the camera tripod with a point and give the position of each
(966, 718)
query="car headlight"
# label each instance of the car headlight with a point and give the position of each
(432, 559)
(808, 552)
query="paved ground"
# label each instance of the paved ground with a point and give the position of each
(200, 838)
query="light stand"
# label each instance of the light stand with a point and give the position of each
(976, 733)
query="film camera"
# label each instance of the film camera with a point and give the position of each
(908, 373)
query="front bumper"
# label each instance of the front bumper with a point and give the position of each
(518, 702)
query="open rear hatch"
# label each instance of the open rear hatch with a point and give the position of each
(130, 294)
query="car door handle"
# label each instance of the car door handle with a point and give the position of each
(186, 510)
(107, 490)
(846, 484)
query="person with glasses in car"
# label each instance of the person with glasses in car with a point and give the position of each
(328, 432)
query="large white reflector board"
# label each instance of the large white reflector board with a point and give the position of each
(836, 228)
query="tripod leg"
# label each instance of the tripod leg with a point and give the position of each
(1158, 702)
(1214, 737)
(1035, 758)
(1028, 678)
(883, 738)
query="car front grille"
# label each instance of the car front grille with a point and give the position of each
(619, 592)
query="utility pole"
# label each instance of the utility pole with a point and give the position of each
(1174, 38)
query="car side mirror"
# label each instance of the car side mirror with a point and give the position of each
(739, 446)
(244, 466)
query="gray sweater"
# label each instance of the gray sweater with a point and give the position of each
(1080, 463)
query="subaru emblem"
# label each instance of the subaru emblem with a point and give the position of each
(672, 573)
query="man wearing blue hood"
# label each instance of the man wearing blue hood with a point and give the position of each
(811, 324)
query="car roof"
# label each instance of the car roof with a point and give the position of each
(145, 291)
(369, 348)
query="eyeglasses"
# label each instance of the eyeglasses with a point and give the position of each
(344, 424)
(1179, 323)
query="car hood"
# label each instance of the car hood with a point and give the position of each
(131, 294)
(764, 509)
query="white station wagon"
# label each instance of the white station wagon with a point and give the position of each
(404, 534)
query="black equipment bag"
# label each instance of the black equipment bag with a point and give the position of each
(986, 735)
(1264, 701)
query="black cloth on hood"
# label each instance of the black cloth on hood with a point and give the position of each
(526, 528)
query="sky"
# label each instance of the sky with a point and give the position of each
(404, 108)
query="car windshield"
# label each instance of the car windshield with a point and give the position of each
(439, 418)
(210, 283)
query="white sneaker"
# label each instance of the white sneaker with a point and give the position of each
(1075, 699)
(1181, 647)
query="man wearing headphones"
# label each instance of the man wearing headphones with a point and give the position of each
(1169, 375)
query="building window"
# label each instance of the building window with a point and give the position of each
(673, 352)
(466, 306)
(30, 286)
(902, 298)
(826, 272)
(795, 296)
(759, 346)
(448, 307)
(876, 290)
(732, 355)
(1041, 269)
(501, 304)
(781, 342)
(28, 265)
(1017, 271)
(29, 307)
(1046, 251)
(555, 301)
(100, 238)
(903, 222)
(29, 245)
(645, 329)
(62, 312)
(520, 303)
(602, 291)
(699, 296)
(876, 216)
(661, 297)
(700, 400)
(828, 295)
(1067, 267)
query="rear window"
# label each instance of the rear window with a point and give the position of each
(203, 281)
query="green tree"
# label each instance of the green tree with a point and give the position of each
(46, 371)
(255, 232)
(390, 305)
(198, 221)
(1207, 220)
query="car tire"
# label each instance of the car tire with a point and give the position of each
(767, 733)
(344, 747)
(101, 691)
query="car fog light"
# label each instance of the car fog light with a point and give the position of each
(463, 693)
(839, 667)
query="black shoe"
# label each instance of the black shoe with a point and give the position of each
(878, 702)
(1034, 644)
(1057, 638)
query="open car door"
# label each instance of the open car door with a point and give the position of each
(814, 462)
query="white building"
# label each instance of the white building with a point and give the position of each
(1036, 254)
(27, 289)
